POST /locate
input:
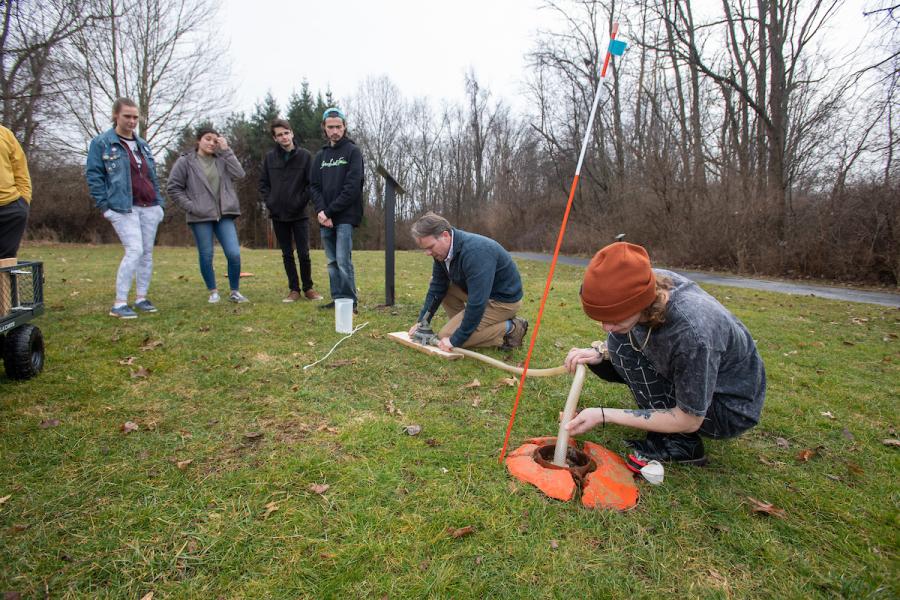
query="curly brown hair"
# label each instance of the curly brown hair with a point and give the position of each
(655, 314)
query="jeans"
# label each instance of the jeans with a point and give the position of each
(297, 232)
(338, 243)
(137, 232)
(226, 232)
(13, 217)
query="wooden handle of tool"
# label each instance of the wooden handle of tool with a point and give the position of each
(562, 438)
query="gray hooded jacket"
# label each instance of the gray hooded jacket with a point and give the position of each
(188, 187)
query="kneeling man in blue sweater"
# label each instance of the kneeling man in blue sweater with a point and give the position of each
(478, 283)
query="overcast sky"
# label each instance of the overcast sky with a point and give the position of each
(425, 47)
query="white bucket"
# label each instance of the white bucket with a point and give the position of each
(343, 315)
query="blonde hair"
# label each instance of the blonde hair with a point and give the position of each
(655, 314)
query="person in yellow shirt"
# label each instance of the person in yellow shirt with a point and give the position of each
(15, 193)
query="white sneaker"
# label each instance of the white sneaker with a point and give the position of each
(214, 297)
(237, 297)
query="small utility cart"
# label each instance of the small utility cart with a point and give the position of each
(21, 300)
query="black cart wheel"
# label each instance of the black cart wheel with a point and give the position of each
(23, 352)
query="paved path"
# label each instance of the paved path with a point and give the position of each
(821, 291)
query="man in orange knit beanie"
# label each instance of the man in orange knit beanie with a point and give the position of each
(692, 365)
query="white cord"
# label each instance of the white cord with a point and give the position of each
(335, 346)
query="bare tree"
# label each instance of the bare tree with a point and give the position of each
(157, 52)
(31, 35)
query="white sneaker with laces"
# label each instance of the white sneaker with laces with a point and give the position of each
(214, 297)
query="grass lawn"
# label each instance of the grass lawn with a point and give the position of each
(87, 510)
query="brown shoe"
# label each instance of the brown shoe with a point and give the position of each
(513, 339)
(312, 294)
(292, 297)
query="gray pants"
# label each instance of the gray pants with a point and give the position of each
(137, 232)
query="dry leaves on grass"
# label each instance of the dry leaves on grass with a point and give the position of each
(765, 508)
(554, 545)
(129, 426)
(128, 360)
(510, 381)
(150, 344)
(254, 436)
(808, 453)
(319, 488)
(4, 499)
(461, 532)
(270, 508)
(47, 423)
(141, 373)
(184, 464)
(476, 400)
(891, 442)
(828, 414)
(392, 410)
(472, 384)
(341, 363)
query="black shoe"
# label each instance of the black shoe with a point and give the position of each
(355, 309)
(682, 448)
(328, 306)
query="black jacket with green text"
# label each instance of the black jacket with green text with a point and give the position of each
(336, 182)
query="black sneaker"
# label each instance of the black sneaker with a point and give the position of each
(329, 306)
(513, 339)
(682, 448)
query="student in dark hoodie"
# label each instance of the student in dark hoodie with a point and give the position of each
(336, 186)
(202, 183)
(284, 188)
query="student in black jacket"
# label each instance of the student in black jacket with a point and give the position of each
(284, 188)
(336, 186)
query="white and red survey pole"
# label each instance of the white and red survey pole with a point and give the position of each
(616, 48)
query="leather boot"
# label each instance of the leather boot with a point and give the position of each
(682, 448)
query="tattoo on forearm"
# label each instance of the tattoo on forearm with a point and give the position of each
(645, 413)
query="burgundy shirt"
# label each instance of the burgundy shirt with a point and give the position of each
(142, 191)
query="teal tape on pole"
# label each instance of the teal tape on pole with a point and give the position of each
(617, 47)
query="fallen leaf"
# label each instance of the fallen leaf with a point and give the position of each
(203, 329)
(806, 454)
(412, 429)
(854, 468)
(510, 381)
(319, 488)
(782, 443)
(183, 464)
(891, 442)
(248, 330)
(462, 531)
(147, 596)
(310, 343)
(46, 423)
(848, 434)
(828, 414)
(128, 360)
(832, 477)
(476, 401)
(859, 320)
(18, 527)
(554, 545)
(847, 343)
(141, 372)
(432, 442)
(254, 435)
(150, 344)
(767, 462)
(478, 559)
(766, 508)
(4, 499)
(270, 508)
(392, 410)
(472, 384)
(241, 370)
(129, 426)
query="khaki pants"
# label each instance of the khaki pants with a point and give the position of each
(490, 331)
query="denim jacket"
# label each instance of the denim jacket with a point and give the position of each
(108, 172)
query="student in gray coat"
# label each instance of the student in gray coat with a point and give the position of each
(202, 183)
